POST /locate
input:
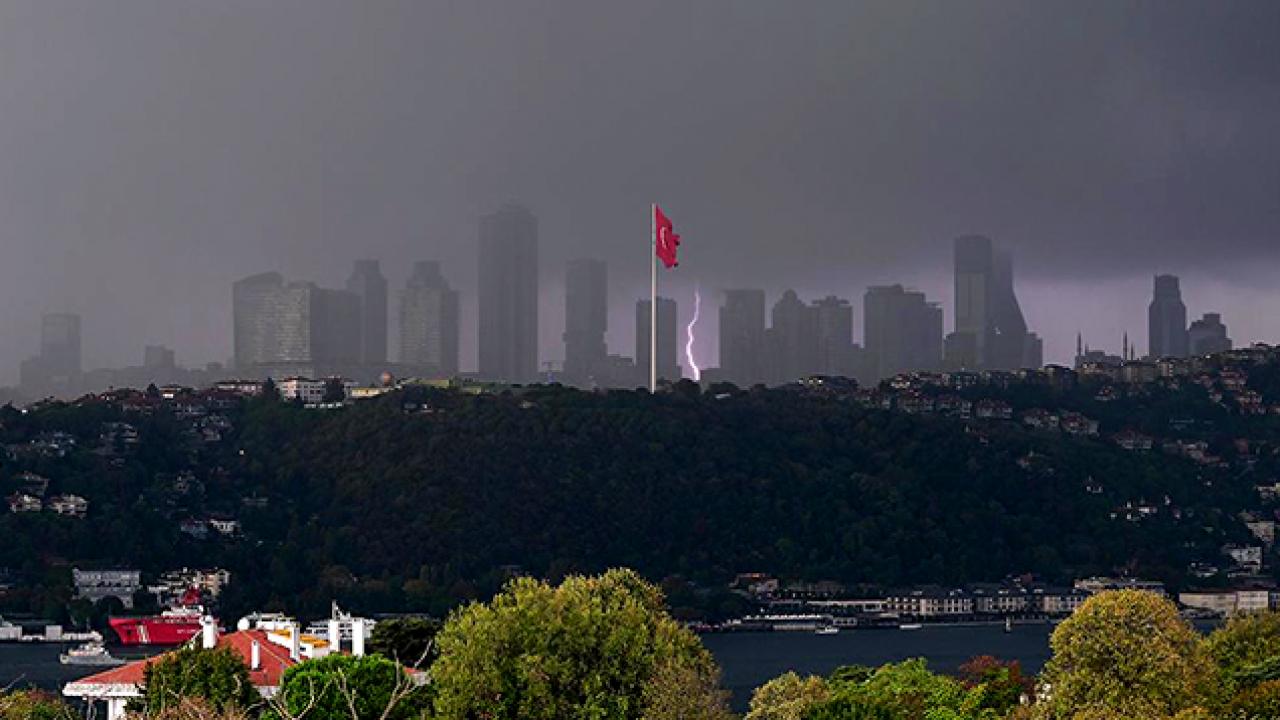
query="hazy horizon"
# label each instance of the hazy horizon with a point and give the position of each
(155, 152)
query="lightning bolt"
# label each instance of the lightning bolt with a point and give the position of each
(688, 346)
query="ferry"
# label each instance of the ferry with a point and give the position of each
(89, 654)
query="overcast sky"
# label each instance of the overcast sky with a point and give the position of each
(153, 151)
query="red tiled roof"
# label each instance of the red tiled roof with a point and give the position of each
(275, 661)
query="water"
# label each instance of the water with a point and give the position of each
(747, 659)
(25, 665)
(752, 659)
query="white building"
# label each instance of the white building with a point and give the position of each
(312, 392)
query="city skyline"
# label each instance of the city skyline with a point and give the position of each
(1101, 148)
(793, 336)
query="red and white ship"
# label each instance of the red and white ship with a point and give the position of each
(171, 627)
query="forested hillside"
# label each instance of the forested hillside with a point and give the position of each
(421, 498)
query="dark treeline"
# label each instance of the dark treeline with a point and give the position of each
(388, 507)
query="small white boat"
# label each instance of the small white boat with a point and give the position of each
(910, 626)
(827, 630)
(89, 654)
(1008, 625)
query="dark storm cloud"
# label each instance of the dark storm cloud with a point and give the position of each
(152, 151)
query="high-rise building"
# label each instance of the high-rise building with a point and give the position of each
(1208, 335)
(838, 354)
(990, 331)
(586, 319)
(793, 340)
(294, 328)
(368, 284)
(58, 369)
(742, 337)
(60, 344)
(903, 330)
(429, 322)
(668, 340)
(1167, 320)
(508, 275)
(158, 357)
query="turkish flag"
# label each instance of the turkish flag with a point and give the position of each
(667, 240)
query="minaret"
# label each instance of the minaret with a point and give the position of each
(1079, 345)
(1124, 349)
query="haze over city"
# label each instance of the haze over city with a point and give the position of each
(157, 152)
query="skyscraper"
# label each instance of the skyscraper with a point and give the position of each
(586, 314)
(1167, 320)
(742, 337)
(294, 328)
(255, 328)
(668, 340)
(903, 330)
(508, 275)
(838, 354)
(57, 370)
(60, 344)
(368, 284)
(429, 322)
(793, 340)
(990, 331)
(1208, 335)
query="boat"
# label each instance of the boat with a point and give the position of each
(827, 630)
(171, 627)
(910, 626)
(1008, 625)
(89, 654)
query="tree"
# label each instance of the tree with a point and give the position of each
(994, 685)
(787, 697)
(192, 709)
(678, 691)
(409, 640)
(34, 705)
(902, 691)
(218, 676)
(342, 687)
(588, 648)
(334, 390)
(1247, 650)
(1127, 653)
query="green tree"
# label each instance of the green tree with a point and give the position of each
(1128, 653)
(1260, 702)
(678, 691)
(1247, 650)
(342, 687)
(409, 640)
(902, 691)
(34, 705)
(218, 676)
(787, 697)
(588, 648)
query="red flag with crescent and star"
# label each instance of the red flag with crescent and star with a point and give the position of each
(666, 240)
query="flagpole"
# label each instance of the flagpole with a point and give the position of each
(653, 297)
